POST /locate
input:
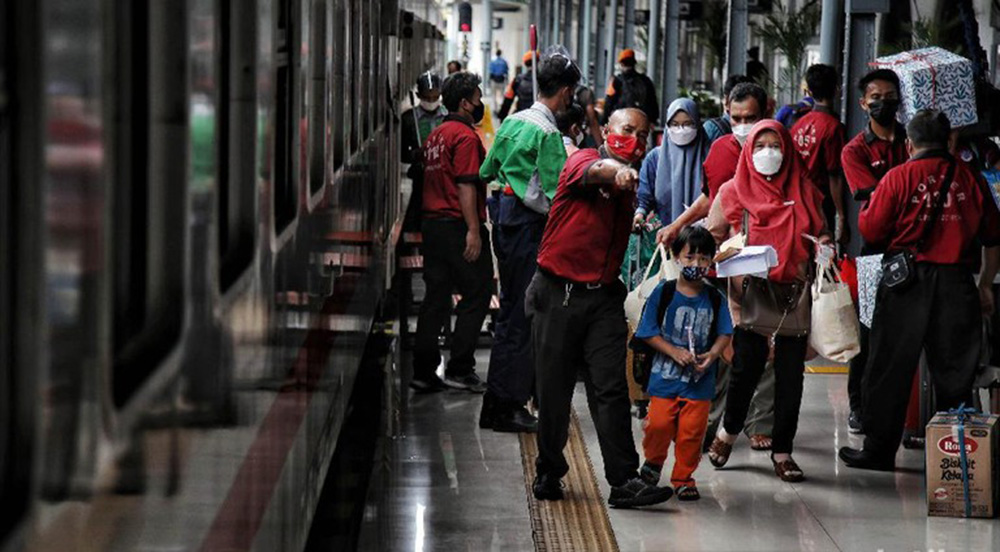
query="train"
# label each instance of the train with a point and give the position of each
(200, 202)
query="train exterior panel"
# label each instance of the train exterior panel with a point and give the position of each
(201, 200)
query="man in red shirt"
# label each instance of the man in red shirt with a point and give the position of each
(747, 105)
(454, 213)
(880, 147)
(938, 310)
(576, 303)
(819, 137)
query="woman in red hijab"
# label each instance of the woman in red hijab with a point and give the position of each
(781, 204)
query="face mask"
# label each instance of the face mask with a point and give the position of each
(883, 112)
(478, 111)
(430, 106)
(694, 273)
(767, 161)
(626, 148)
(741, 132)
(682, 136)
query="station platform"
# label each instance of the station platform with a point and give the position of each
(450, 485)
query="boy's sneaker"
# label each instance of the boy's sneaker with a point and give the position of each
(650, 473)
(465, 382)
(636, 493)
(430, 383)
(854, 423)
(547, 487)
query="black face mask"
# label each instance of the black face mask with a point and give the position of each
(478, 111)
(883, 112)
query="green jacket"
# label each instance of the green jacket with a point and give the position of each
(527, 144)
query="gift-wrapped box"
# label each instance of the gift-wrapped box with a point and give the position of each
(869, 277)
(933, 78)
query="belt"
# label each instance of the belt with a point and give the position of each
(572, 284)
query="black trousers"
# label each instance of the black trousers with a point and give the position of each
(938, 313)
(750, 351)
(856, 371)
(587, 334)
(511, 373)
(446, 271)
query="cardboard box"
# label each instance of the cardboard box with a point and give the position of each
(933, 78)
(945, 495)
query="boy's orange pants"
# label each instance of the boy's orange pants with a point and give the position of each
(683, 422)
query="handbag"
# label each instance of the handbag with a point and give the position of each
(636, 299)
(899, 267)
(771, 308)
(834, 333)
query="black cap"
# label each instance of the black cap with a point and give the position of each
(428, 81)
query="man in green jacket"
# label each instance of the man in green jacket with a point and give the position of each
(526, 159)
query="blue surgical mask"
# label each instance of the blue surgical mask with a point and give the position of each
(694, 273)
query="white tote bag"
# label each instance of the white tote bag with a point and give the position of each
(636, 298)
(834, 332)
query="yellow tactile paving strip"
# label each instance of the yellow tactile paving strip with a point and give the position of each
(580, 520)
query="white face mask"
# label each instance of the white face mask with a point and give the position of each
(430, 106)
(682, 136)
(768, 161)
(741, 132)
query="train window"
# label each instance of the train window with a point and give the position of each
(335, 99)
(284, 198)
(366, 68)
(314, 98)
(236, 129)
(353, 74)
(149, 194)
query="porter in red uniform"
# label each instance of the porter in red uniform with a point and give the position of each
(576, 305)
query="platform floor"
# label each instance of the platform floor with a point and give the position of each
(456, 487)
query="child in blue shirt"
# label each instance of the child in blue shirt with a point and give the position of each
(688, 340)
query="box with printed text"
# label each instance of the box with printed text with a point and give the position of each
(934, 78)
(945, 490)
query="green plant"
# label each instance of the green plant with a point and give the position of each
(708, 104)
(925, 32)
(789, 33)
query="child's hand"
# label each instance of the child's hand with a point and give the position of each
(682, 357)
(705, 361)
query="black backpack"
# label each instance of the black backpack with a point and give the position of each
(643, 354)
(634, 91)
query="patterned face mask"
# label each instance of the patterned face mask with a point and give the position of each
(694, 273)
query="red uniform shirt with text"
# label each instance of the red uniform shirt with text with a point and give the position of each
(867, 158)
(452, 156)
(900, 207)
(819, 138)
(588, 228)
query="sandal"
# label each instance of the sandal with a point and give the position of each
(687, 493)
(718, 452)
(788, 471)
(760, 442)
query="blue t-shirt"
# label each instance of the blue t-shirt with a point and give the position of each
(687, 320)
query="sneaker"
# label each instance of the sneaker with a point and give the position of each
(547, 487)
(854, 423)
(514, 420)
(466, 382)
(650, 473)
(636, 493)
(427, 384)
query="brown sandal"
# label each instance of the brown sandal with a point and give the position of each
(718, 452)
(788, 471)
(760, 442)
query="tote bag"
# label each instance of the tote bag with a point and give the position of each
(834, 333)
(636, 299)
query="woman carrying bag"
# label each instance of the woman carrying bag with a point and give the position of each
(773, 203)
(670, 179)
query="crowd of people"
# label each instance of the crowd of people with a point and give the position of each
(571, 198)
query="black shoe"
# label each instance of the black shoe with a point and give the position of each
(650, 473)
(487, 415)
(467, 382)
(547, 487)
(514, 420)
(865, 460)
(854, 423)
(636, 493)
(912, 442)
(427, 384)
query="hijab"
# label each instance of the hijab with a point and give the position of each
(679, 169)
(781, 207)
